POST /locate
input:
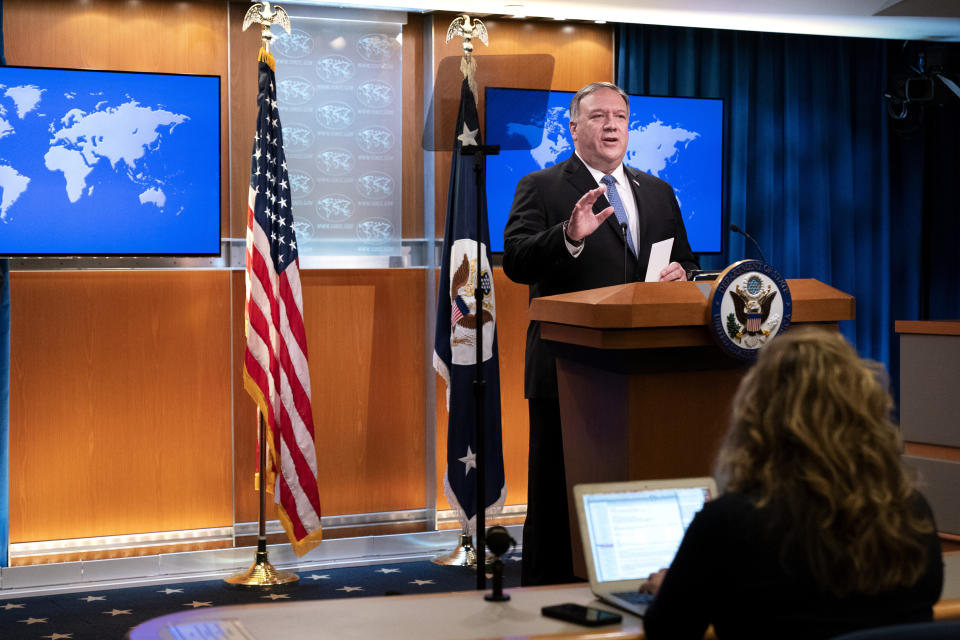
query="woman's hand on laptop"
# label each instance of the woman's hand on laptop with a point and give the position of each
(653, 582)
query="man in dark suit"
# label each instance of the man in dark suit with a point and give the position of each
(566, 232)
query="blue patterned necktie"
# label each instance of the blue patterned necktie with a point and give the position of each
(613, 196)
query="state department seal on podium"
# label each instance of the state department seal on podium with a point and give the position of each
(750, 304)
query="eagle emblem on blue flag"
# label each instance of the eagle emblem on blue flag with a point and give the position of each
(463, 316)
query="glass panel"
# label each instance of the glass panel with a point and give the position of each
(338, 90)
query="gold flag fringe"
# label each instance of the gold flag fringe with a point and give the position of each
(266, 56)
(468, 66)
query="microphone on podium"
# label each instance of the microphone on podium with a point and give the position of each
(499, 541)
(623, 234)
(746, 235)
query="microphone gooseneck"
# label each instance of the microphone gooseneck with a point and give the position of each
(623, 234)
(746, 235)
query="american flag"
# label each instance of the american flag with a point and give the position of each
(460, 309)
(275, 363)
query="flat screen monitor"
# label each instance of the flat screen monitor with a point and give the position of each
(105, 163)
(679, 140)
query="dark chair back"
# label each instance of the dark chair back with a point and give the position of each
(942, 630)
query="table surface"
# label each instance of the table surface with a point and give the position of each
(463, 615)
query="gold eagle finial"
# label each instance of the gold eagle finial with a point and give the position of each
(468, 30)
(463, 27)
(261, 13)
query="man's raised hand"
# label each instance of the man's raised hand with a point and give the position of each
(583, 221)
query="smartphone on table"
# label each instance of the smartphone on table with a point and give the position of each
(579, 614)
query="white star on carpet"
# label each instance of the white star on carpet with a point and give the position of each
(420, 583)
(470, 460)
(33, 620)
(93, 598)
(168, 591)
(385, 570)
(12, 605)
(468, 138)
(349, 589)
(196, 604)
(276, 596)
(119, 612)
(317, 576)
(59, 636)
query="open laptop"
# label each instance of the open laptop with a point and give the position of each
(632, 529)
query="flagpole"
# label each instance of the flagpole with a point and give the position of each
(262, 574)
(480, 390)
(479, 153)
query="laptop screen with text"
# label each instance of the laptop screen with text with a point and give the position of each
(634, 534)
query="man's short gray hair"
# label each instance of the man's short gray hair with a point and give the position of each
(593, 87)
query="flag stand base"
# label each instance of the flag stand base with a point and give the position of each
(465, 555)
(261, 575)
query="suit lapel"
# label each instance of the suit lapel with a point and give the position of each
(579, 176)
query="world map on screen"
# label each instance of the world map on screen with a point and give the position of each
(653, 146)
(675, 139)
(116, 161)
(114, 134)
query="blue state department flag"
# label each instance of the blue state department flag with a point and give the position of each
(454, 355)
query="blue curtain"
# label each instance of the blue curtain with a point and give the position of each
(812, 167)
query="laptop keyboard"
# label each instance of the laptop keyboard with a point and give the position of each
(634, 597)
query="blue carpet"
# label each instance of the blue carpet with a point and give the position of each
(111, 613)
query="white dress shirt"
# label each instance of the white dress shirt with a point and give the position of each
(626, 197)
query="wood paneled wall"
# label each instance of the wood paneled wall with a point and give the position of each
(413, 90)
(244, 46)
(128, 412)
(119, 384)
(366, 344)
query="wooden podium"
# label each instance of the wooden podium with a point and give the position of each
(644, 390)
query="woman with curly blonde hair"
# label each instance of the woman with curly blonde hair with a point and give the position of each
(818, 530)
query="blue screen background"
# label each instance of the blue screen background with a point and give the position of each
(108, 163)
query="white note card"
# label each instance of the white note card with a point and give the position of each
(659, 259)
